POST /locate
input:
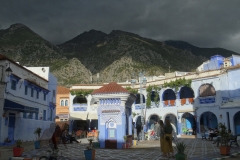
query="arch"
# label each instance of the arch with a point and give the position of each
(79, 99)
(66, 102)
(168, 94)
(206, 90)
(151, 119)
(153, 96)
(236, 120)
(173, 119)
(188, 121)
(62, 102)
(137, 101)
(208, 120)
(186, 92)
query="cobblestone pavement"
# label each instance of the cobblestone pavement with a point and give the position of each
(197, 149)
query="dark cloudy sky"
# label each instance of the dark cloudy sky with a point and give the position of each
(204, 23)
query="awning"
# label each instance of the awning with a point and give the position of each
(92, 115)
(10, 105)
(63, 116)
(76, 116)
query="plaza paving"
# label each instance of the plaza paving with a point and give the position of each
(197, 149)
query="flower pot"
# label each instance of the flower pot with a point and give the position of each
(224, 150)
(17, 151)
(180, 156)
(89, 154)
(37, 144)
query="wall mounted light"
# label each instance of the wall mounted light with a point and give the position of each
(220, 116)
(8, 70)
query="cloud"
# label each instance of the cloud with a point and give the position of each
(202, 23)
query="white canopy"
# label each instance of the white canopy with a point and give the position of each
(92, 115)
(78, 116)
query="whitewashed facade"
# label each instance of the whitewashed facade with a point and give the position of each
(214, 97)
(25, 96)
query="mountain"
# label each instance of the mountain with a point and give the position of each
(118, 56)
(206, 52)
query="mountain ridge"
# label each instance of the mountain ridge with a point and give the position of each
(115, 56)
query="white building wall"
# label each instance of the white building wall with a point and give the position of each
(24, 127)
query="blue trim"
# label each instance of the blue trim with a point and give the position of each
(10, 105)
(37, 88)
(52, 106)
(14, 77)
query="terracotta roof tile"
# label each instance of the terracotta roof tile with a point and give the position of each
(112, 87)
(62, 90)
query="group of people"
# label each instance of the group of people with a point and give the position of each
(63, 136)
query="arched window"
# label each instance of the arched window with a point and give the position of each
(79, 99)
(66, 102)
(169, 95)
(206, 90)
(62, 102)
(137, 101)
(153, 94)
(186, 92)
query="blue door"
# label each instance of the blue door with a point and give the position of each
(11, 125)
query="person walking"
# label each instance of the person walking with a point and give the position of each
(157, 130)
(168, 149)
(161, 134)
(138, 131)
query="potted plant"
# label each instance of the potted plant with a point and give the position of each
(89, 152)
(180, 148)
(18, 150)
(37, 132)
(184, 130)
(125, 144)
(224, 145)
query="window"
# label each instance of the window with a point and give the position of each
(66, 102)
(36, 116)
(62, 102)
(26, 90)
(54, 93)
(37, 94)
(44, 115)
(24, 115)
(44, 97)
(14, 84)
(32, 92)
(30, 116)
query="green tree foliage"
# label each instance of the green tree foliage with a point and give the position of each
(178, 83)
(131, 90)
(81, 92)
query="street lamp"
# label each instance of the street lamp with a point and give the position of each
(142, 82)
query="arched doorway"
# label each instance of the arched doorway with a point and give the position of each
(152, 118)
(80, 106)
(173, 120)
(188, 121)
(208, 120)
(237, 123)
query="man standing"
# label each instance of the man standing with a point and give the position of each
(157, 130)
